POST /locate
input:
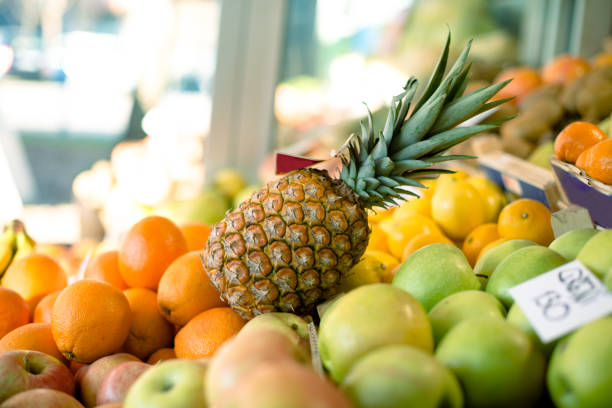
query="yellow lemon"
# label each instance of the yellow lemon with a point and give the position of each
(458, 208)
(400, 232)
(492, 196)
(378, 239)
(369, 270)
(413, 206)
(476, 240)
(526, 219)
(376, 215)
(387, 264)
(422, 240)
(458, 175)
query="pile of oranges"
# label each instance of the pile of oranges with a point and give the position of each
(149, 298)
(588, 147)
(470, 212)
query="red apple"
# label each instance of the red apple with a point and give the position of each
(22, 370)
(89, 378)
(41, 397)
(119, 380)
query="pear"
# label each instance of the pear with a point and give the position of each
(435, 271)
(401, 376)
(489, 261)
(579, 374)
(521, 265)
(461, 306)
(596, 254)
(366, 318)
(496, 363)
(569, 244)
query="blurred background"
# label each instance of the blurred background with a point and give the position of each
(111, 109)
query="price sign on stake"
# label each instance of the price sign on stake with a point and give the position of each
(561, 300)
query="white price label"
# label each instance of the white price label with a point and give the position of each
(561, 300)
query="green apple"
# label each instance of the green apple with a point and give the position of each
(580, 370)
(608, 280)
(489, 261)
(435, 271)
(170, 384)
(596, 254)
(209, 207)
(369, 317)
(401, 376)
(496, 363)
(517, 318)
(569, 244)
(462, 306)
(521, 265)
(284, 384)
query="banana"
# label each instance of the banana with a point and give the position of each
(14, 244)
(7, 249)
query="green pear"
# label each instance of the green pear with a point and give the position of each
(580, 370)
(229, 181)
(208, 207)
(569, 244)
(596, 254)
(541, 155)
(489, 261)
(496, 363)
(401, 376)
(287, 323)
(517, 318)
(435, 271)
(462, 306)
(521, 265)
(369, 317)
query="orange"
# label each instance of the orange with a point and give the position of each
(147, 250)
(44, 308)
(91, 319)
(524, 81)
(400, 232)
(206, 332)
(597, 161)
(34, 276)
(105, 267)
(196, 234)
(479, 238)
(489, 246)
(422, 240)
(161, 355)
(149, 330)
(32, 336)
(564, 68)
(378, 239)
(526, 219)
(458, 208)
(185, 290)
(575, 138)
(14, 311)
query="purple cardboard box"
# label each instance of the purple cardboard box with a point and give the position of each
(579, 189)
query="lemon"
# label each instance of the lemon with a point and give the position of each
(413, 206)
(400, 232)
(458, 175)
(388, 263)
(378, 239)
(457, 208)
(374, 267)
(492, 196)
(376, 215)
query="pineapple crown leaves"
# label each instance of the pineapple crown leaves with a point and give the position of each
(379, 165)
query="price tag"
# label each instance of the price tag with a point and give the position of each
(561, 300)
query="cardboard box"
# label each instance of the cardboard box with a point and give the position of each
(579, 189)
(522, 178)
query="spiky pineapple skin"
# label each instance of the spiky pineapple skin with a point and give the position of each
(288, 246)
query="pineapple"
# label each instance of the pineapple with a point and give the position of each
(288, 247)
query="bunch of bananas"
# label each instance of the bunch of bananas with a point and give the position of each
(14, 243)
